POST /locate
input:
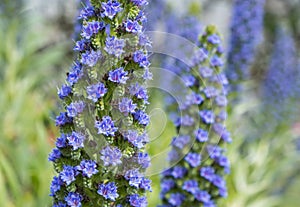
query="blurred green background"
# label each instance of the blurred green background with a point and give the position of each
(35, 53)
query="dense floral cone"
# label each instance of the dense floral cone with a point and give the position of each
(197, 156)
(100, 155)
(246, 35)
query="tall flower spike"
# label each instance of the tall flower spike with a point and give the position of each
(100, 156)
(280, 86)
(198, 163)
(246, 35)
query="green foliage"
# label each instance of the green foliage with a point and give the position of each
(24, 137)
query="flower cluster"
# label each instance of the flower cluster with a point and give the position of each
(246, 35)
(197, 158)
(100, 155)
(280, 86)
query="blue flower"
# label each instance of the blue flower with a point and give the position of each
(73, 199)
(106, 126)
(201, 135)
(210, 92)
(145, 184)
(68, 174)
(55, 185)
(214, 39)
(63, 119)
(81, 45)
(132, 26)
(75, 74)
(221, 101)
(207, 116)
(118, 76)
(142, 117)
(181, 141)
(190, 186)
(75, 108)
(218, 181)
(189, 80)
(108, 191)
(135, 139)
(179, 172)
(114, 46)
(60, 204)
(141, 58)
(144, 159)
(126, 106)
(90, 58)
(111, 8)
(140, 2)
(134, 177)
(206, 72)
(176, 199)
(64, 91)
(86, 13)
(166, 185)
(193, 159)
(96, 91)
(61, 141)
(88, 168)
(111, 156)
(76, 140)
(207, 173)
(137, 201)
(54, 155)
(91, 28)
(202, 196)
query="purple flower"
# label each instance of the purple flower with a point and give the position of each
(75, 73)
(207, 116)
(61, 141)
(73, 199)
(106, 126)
(207, 173)
(179, 172)
(190, 186)
(55, 185)
(90, 58)
(202, 196)
(145, 184)
(64, 91)
(214, 39)
(134, 138)
(132, 26)
(221, 101)
(216, 62)
(140, 2)
(218, 181)
(91, 28)
(111, 156)
(193, 159)
(108, 191)
(181, 141)
(118, 76)
(75, 108)
(144, 159)
(176, 199)
(96, 91)
(194, 98)
(142, 117)
(214, 151)
(189, 80)
(76, 140)
(68, 174)
(86, 12)
(199, 56)
(201, 135)
(141, 58)
(126, 106)
(114, 46)
(137, 201)
(54, 155)
(166, 185)
(134, 177)
(81, 45)
(210, 92)
(63, 119)
(88, 168)
(206, 72)
(111, 8)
